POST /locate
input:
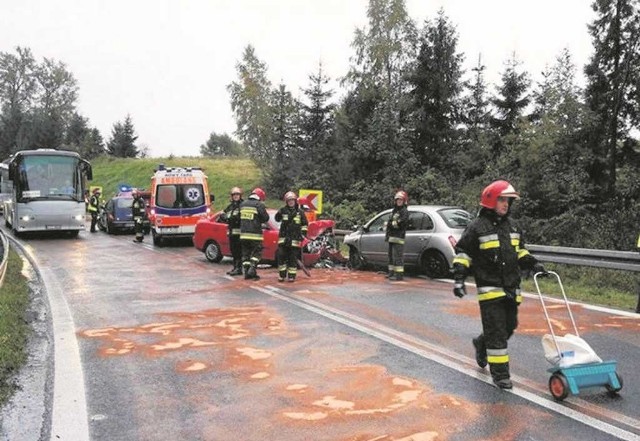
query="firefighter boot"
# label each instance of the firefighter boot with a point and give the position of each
(481, 351)
(251, 273)
(237, 268)
(503, 383)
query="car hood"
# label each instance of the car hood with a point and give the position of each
(316, 228)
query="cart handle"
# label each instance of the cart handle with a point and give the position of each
(544, 306)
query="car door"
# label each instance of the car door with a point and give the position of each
(373, 247)
(418, 237)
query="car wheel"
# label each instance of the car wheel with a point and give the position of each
(355, 259)
(109, 228)
(435, 265)
(212, 252)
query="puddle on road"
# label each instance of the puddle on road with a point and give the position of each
(304, 384)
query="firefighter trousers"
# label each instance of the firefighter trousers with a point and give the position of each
(251, 255)
(499, 321)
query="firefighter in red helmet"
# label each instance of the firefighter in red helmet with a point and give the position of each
(253, 214)
(231, 215)
(492, 249)
(395, 234)
(138, 211)
(293, 228)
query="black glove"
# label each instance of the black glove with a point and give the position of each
(539, 268)
(459, 289)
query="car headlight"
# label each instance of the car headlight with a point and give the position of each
(27, 218)
(78, 217)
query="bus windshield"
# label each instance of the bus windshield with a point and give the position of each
(49, 177)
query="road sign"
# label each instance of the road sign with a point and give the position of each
(314, 197)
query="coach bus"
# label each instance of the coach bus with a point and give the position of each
(46, 189)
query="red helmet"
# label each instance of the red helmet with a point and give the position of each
(236, 190)
(493, 191)
(260, 193)
(401, 195)
(290, 195)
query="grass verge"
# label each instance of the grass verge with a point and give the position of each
(596, 286)
(14, 329)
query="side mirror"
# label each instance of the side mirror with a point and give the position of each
(212, 197)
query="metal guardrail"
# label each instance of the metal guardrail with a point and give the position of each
(5, 256)
(618, 260)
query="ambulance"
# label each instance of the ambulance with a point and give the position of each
(179, 199)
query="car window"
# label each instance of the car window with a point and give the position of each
(379, 223)
(124, 203)
(456, 217)
(420, 221)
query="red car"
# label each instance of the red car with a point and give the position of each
(211, 238)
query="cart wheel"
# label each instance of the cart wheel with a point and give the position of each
(614, 390)
(558, 386)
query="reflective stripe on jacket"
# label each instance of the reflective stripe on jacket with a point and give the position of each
(492, 249)
(252, 215)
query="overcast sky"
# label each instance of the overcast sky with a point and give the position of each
(167, 62)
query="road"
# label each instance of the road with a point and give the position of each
(159, 344)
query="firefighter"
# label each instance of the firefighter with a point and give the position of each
(94, 206)
(231, 216)
(395, 234)
(293, 229)
(252, 215)
(138, 209)
(492, 248)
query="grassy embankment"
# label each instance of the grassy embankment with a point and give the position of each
(14, 329)
(223, 174)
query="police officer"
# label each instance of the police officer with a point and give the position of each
(492, 248)
(138, 209)
(253, 214)
(293, 228)
(231, 215)
(94, 206)
(396, 231)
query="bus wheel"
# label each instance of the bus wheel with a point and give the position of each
(157, 239)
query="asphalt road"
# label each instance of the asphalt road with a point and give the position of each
(155, 343)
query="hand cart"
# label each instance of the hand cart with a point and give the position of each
(571, 378)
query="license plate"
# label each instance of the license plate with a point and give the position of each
(129, 225)
(53, 227)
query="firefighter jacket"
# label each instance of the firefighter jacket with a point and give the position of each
(94, 203)
(397, 225)
(293, 226)
(138, 208)
(252, 215)
(232, 213)
(492, 248)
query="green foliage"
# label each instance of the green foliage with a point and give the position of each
(221, 145)
(14, 329)
(347, 214)
(123, 138)
(250, 103)
(223, 173)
